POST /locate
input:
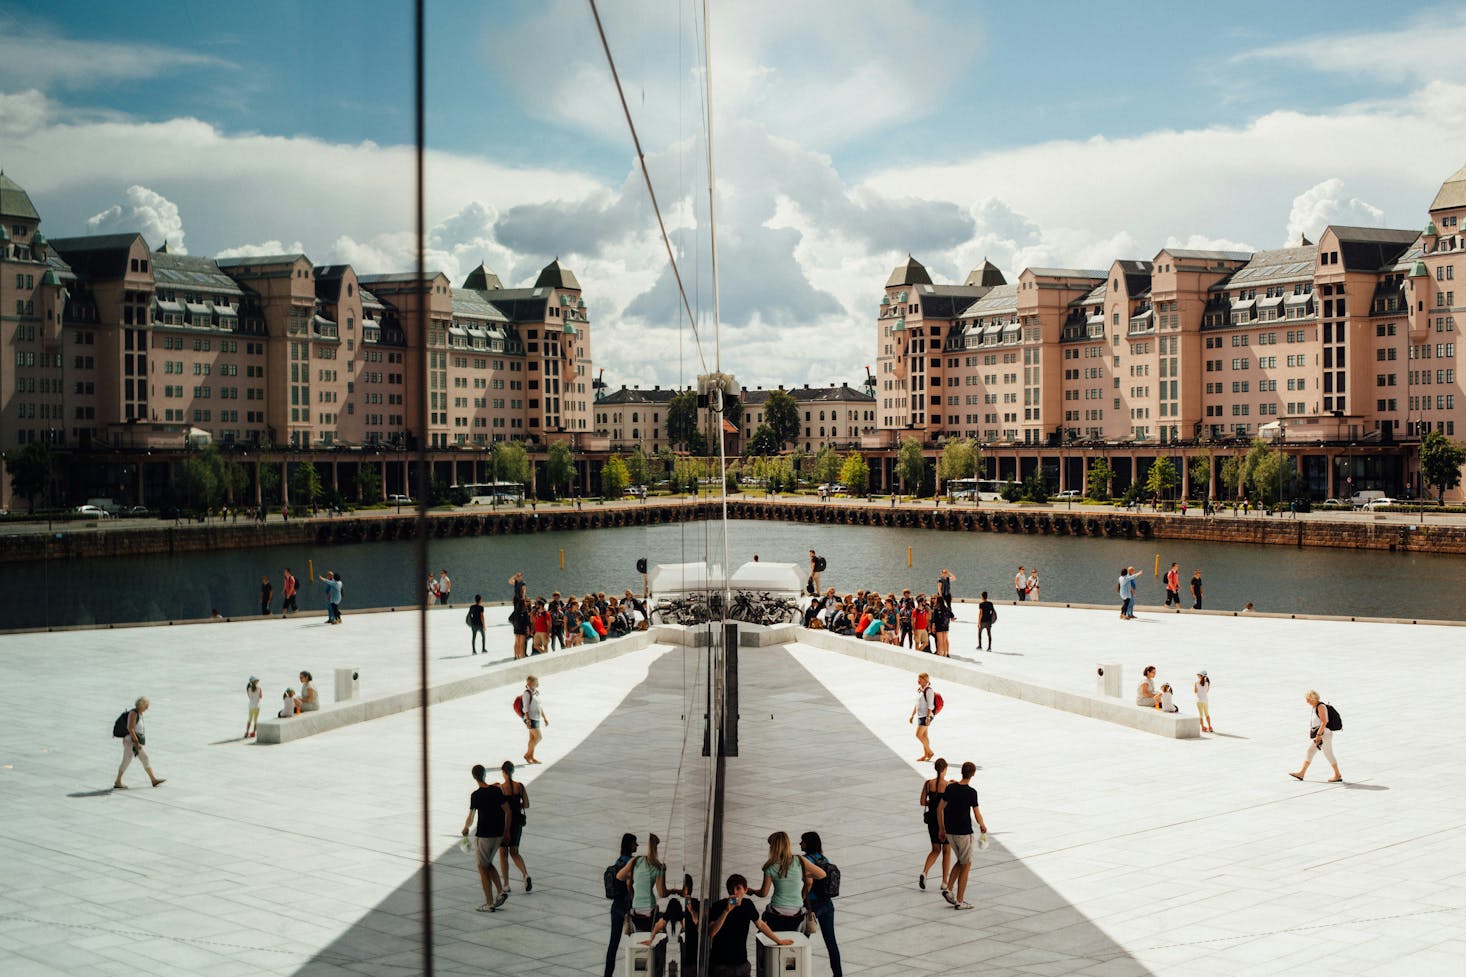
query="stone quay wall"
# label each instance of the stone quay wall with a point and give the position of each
(1435, 534)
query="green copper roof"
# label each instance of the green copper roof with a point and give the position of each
(14, 201)
(1431, 231)
(50, 277)
(1419, 270)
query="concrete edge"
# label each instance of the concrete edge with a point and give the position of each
(1117, 711)
(340, 715)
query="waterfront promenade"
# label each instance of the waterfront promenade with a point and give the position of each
(1116, 852)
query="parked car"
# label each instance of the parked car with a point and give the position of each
(399, 500)
(834, 488)
(93, 512)
(1379, 503)
(135, 510)
(1338, 502)
(1069, 494)
(638, 491)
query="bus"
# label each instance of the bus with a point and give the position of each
(984, 489)
(491, 493)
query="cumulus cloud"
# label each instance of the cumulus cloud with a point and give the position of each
(146, 211)
(22, 113)
(1323, 204)
(1202, 242)
(261, 249)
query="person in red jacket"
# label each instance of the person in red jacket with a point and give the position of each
(541, 620)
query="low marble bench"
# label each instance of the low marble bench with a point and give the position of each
(352, 711)
(1122, 712)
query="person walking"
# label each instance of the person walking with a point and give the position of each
(1033, 586)
(254, 693)
(923, 713)
(1020, 584)
(1173, 586)
(1196, 591)
(134, 743)
(488, 803)
(534, 715)
(987, 616)
(476, 639)
(517, 796)
(432, 590)
(1320, 737)
(1202, 688)
(267, 592)
(957, 810)
(621, 901)
(332, 585)
(931, 798)
(816, 566)
(287, 594)
(445, 589)
(817, 897)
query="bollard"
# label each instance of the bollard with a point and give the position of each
(1108, 680)
(348, 684)
(562, 559)
(908, 556)
(650, 961)
(792, 960)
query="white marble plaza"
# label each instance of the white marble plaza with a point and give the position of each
(1117, 851)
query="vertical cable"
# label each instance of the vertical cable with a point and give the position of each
(421, 528)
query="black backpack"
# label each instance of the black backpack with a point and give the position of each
(1335, 721)
(119, 728)
(615, 888)
(819, 564)
(830, 884)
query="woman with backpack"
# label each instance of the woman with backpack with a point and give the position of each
(129, 729)
(1320, 736)
(647, 876)
(788, 877)
(923, 713)
(818, 895)
(620, 895)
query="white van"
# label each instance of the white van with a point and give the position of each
(1361, 499)
(106, 505)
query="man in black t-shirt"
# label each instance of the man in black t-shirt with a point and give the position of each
(955, 814)
(728, 931)
(987, 616)
(476, 625)
(494, 821)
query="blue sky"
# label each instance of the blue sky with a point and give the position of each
(847, 135)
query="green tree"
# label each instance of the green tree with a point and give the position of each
(1036, 486)
(638, 468)
(1229, 477)
(305, 484)
(682, 421)
(510, 463)
(1201, 474)
(1011, 491)
(269, 482)
(614, 477)
(764, 442)
(560, 468)
(1098, 479)
(827, 464)
(910, 466)
(958, 460)
(1269, 475)
(781, 414)
(662, 463)
(30, 472)
(368, 483)
(197, 483)
(1162, 478)
(1440, 462)
(855, 474)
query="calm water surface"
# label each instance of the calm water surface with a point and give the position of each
(155, 588)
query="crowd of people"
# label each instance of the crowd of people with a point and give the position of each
(542, 625)
(920, 622)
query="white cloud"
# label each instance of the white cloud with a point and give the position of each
(1201, 242)
(146, 211)
(261, 249)
(1323, 204)
(32, 55)
(23, 113)
(1422, 50)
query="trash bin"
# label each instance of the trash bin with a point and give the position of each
(649, 961)
(348, 684)
(792, 960)
(1107, 680)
